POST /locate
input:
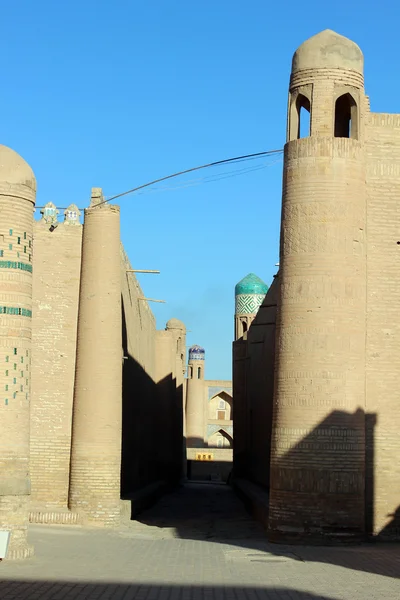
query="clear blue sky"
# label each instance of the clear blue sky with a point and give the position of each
(115, 93)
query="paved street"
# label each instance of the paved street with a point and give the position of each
(195, 544)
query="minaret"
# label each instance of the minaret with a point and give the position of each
(318, 448)
(97, 412)
(249, 295)
(195, 398)
(17, 200)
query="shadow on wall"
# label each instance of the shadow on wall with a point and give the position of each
(213, 464)
(253, 377)
(152, 427)
(194, 442)
(344, 491)
(253, 389)
(216, 471)
(25, 590)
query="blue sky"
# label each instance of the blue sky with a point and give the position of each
(116, 93)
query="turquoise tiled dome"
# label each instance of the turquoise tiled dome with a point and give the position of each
(251, 284)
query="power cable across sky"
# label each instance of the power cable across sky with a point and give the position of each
(233, 160)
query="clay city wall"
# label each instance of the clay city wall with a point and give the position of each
(253, 387)
(56, 276)
(145, 409)
(152, 400)
(383, 325)
(253, 355)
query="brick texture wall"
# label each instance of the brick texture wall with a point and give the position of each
(56, 275)
(152, 403)
(17, 197)
(253, 394)
(152, 424)
(383, 324)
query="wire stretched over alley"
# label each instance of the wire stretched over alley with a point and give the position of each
(213, 164)
(233, 160)
(207, 179)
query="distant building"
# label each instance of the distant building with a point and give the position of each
(208, 421)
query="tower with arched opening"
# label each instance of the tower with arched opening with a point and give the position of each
(318, 436)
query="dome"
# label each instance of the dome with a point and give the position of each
(196, 353)
(251, 284)
(175, 324)
(328, 49)
(14, 170)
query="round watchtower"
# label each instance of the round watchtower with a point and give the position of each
(17, 200)
(317, 460)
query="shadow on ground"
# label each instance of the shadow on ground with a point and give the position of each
(57, 590)
(212, 512)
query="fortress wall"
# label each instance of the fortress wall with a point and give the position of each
(260, 387)
(139, 450)
(56, 282)
(17, 198)
(152, 402)
(164, 413)
(318, 449)
(140, 321)
(383, 323)
(56, 276)
(253, 387)
(240, 409)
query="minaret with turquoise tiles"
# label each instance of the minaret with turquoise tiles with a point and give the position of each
(17, 201)
(249, 295)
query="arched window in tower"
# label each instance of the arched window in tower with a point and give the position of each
(198, 372)
(190, 372)
(244, 326)
(300, 118)
(346, 117)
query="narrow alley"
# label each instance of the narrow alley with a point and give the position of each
(195, 543)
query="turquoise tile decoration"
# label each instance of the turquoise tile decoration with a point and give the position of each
(14, 310)
(11, 264)
(249, 294)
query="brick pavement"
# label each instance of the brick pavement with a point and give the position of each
(195, 544)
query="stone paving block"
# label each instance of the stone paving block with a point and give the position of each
(198, 559)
